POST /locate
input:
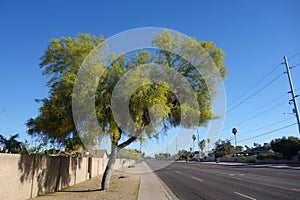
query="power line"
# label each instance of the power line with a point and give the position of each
(250, 138)
(260, 107)
(269, 125)
(254, 85)
(255, 93)
(262, 127)
(263, 78)
(295, 55)
(259, 114)
(294, 66)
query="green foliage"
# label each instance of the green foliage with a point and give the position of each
(132, 154)
(223, 148)
(61, 62)
(275, 156)
(185, 155)
(162, 156)
(12, 145)
(288, 147)
(151, 105)
(73, 143)
(49, 152)
(238, 148)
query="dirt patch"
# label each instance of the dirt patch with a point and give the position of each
(123, 186)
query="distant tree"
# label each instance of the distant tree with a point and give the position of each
(163, 156)
(256, 144)
(131, 154)
(11, 144)
(288, 147)
(184, 154)
(238, 149)
(73, 143)
(223, 148)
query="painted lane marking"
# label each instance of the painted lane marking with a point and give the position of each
(178, 172)
(198, 179)
(243, 195)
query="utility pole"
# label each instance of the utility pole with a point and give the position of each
(292, 91)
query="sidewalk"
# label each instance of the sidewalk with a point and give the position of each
(151, 187)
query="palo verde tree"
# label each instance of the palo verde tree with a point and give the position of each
(60, 63)
(135, 83)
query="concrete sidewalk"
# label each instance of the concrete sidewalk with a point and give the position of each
(151, 187)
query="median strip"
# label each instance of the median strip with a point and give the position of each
(243, 195)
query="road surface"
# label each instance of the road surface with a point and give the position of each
(191, 181)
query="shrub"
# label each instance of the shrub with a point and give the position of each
(250, 160)
(275, 156)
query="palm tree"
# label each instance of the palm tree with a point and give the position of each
(193, 138)
(202, 146)
(11, 145)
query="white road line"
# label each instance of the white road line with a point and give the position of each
(243, 195)
(231, 174)
(178, 172)
(198, 179)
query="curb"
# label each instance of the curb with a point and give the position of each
(166, 190)
(156, 189)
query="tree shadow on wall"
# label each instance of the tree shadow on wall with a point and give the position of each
(46, 174)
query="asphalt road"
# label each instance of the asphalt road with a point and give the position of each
(191, 181)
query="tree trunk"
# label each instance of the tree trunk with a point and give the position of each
(109, 168)
(111, 162)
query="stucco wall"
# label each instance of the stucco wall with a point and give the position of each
(27, 176)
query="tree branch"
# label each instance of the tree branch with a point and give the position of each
(127, 142)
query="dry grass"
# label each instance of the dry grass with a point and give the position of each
(123, 186)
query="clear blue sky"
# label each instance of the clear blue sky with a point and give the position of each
(254, 34)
